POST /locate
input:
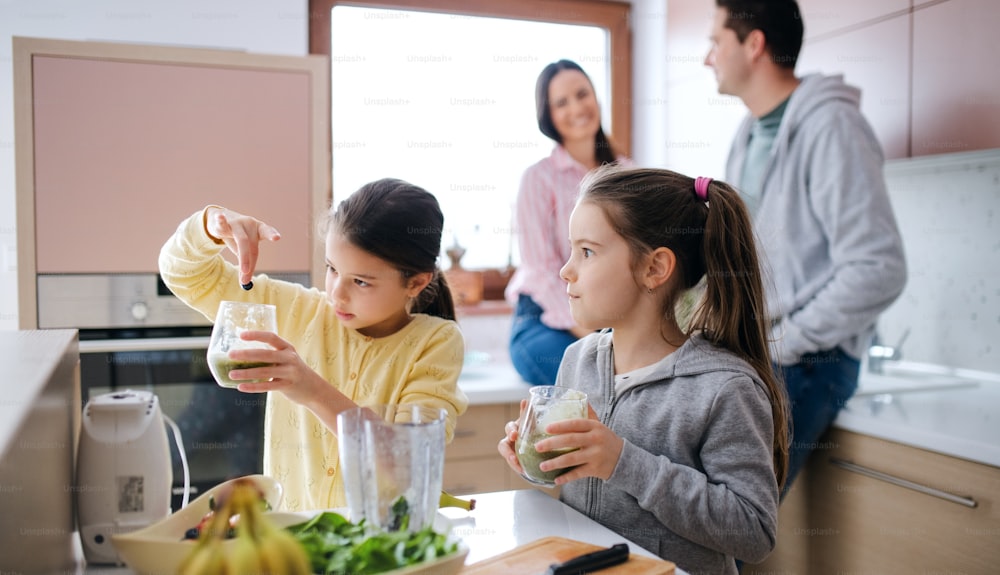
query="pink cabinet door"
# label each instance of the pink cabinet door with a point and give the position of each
(874, 58)
(956, 78)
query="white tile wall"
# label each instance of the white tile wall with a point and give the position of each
(948, 209)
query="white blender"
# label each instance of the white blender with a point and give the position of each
(124, 472)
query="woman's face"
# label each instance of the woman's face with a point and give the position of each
(368, 294)
(573, 106)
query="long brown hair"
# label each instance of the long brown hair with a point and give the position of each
(400, 223)
(654, 208)
(604, 151)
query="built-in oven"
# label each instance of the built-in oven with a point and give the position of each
(135, 334)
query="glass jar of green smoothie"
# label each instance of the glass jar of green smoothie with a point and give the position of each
(548, 404)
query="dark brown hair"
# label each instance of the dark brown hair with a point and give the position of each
(779, 20)
(400, 223)
(652, 208)
(604, 151)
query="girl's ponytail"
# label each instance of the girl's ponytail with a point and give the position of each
(732, 313)
(436, 298)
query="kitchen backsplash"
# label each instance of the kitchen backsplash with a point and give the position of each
(948, 210)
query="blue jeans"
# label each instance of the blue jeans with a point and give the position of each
(818, 387)
(536, 350)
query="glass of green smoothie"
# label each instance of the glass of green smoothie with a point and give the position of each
(232, 319)
(547, 404)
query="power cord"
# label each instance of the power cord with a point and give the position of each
(184, 461)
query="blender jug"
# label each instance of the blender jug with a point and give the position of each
(392, 460)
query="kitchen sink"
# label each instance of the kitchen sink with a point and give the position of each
(477, 365)
(954, 411)
(903, 381)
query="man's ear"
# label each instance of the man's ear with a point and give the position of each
(755, 44)
(660, 267)
(416, 283)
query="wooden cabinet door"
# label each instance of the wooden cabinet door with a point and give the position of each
(956, 83)
(864, 524)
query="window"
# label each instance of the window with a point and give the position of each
(446, 100)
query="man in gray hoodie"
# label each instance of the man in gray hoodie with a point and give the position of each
(809, 167)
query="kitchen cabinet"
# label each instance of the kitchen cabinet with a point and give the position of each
(925, 72)
(39, 432)
(159, 132)
(868, 523)
(854, 522)
(472, 463)
(831, 17)
(956, 90)
(874, 58)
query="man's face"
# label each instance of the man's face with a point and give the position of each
(727, 57)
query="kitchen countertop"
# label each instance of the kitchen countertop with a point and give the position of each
(951, 411)
(501, 521)
(492, 382)
(504, 520)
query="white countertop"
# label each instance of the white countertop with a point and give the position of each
(950, 411)
(492, 382)
(502, 521)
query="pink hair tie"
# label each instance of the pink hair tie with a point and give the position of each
(701, 187)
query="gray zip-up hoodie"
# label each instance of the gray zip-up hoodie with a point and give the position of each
(825, 224)
(695, 481)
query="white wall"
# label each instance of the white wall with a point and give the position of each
(649, 82)
(261, 26)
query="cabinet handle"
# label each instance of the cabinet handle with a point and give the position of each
(143, 344)
(851, 466)
(463, 433)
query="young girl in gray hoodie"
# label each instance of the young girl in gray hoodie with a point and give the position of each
(686, 445)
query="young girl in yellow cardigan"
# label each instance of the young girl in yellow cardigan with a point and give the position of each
(382, 332)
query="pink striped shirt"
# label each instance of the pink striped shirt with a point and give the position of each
(548, 193)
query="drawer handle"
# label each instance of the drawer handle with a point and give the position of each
(463, 433)
(868, 471)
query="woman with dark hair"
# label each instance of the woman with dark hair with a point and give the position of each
(569, 114)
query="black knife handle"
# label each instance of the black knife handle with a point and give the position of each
(591, 561)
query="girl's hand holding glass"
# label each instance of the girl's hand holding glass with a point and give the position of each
(285, 370)
(589, 448)
(582, 447)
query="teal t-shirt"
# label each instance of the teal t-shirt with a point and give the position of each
(762, 135)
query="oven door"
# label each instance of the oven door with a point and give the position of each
(221, 429)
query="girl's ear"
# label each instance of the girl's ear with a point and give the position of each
(660, 267)
(416, 283)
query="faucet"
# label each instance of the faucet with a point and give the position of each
(878, 353)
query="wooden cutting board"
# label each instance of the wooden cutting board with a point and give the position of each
(535, 557)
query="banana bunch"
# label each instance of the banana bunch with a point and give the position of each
(259, 547)
(449, 500)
